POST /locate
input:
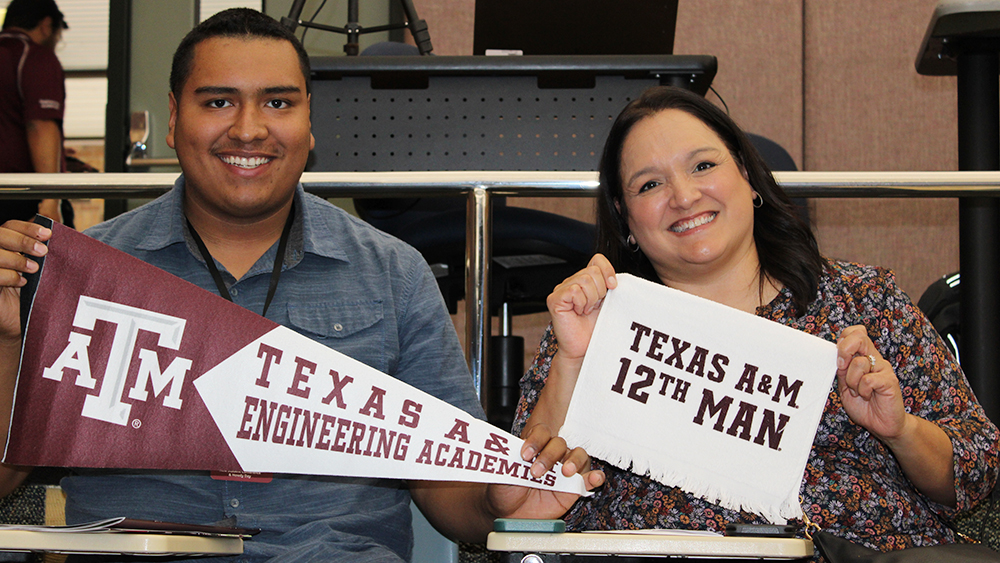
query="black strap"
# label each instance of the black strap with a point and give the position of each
(279, 258)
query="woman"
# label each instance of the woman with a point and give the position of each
(686, 201)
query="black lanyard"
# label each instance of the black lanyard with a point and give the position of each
(275, 272)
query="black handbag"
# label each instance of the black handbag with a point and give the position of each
(838, 550)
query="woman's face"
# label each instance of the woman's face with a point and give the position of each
(690, 206)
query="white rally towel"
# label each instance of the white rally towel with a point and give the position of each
(701, 396)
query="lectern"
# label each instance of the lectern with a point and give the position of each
(963, 39)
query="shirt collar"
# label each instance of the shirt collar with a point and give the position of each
(310, 231)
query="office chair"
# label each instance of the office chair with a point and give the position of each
(941, 303)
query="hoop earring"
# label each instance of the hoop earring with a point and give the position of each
(632, 244)
(758, 200)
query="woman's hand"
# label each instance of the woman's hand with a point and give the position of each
(872, 398)
(575, 303)
(867, 385)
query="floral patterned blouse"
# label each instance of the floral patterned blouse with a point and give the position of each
(852, 486)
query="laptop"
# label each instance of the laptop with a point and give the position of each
(575, 27)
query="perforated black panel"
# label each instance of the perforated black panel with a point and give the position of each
(448, 119)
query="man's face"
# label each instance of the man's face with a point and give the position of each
(241, 127)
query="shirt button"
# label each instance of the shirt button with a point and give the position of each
(234, 502)
(338, 327)
(234, 292)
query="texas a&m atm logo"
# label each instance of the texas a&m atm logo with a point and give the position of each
(107, 404)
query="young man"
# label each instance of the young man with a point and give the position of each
(32, 99)
(239, 121)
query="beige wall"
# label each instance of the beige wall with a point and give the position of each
(833, 81)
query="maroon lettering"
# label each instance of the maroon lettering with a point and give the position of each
(371, 438)
(488, 462)
(635, 391)
(456, 460)
(681, 391)
(402, 445)
(296, 413)
(697, 364)
(640, 331)
(619, 386)
(508, 468)
(411, 414)
(740, 426)
(338, 389)
(442, 451)
(746, 381)
(770, 430)
(264, 419)
(708, 404)
(244, 432)
(719, 362)
(301, 378)
(374, 405)
(284, 412)
(425, 453)
(784, 387)
(475, 458)
(497, 444)
(460, 431)
(679, 347)
(343, 426)
(384, 448)
(358, 434)
(308, 429)
(324, 431)
(655, 344)
(270, 355)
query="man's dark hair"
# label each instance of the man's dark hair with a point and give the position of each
(27, 14)
(242, 23)
(785, 244)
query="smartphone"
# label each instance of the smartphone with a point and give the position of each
(761, 530)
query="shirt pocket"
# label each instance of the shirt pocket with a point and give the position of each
(353, 328)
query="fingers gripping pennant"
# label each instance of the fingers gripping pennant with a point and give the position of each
(126, 366)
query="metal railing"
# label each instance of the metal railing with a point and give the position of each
(478, 187)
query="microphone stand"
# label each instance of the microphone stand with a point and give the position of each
(417, 26)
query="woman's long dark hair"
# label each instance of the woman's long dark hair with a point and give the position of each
(786, 247)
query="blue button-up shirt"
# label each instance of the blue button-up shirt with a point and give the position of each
(345, 285)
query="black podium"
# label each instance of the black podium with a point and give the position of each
(527, 113)
(963, 39)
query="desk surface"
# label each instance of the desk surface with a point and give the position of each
(952, 22)
(128, 543)
(652, 544)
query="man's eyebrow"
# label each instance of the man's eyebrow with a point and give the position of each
(229, 90)
(219, 90)
(281, 90)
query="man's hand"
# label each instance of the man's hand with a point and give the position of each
(19, 242)
(544, 450)
(465, 511)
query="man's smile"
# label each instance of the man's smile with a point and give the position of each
(245, 162)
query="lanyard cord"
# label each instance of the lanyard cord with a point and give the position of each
(275, 272)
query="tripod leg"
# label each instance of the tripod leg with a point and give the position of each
(418, 28)
(351, 48)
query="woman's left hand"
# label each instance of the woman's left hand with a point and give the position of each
(867, 385)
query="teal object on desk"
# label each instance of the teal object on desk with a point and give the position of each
(529, 526)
